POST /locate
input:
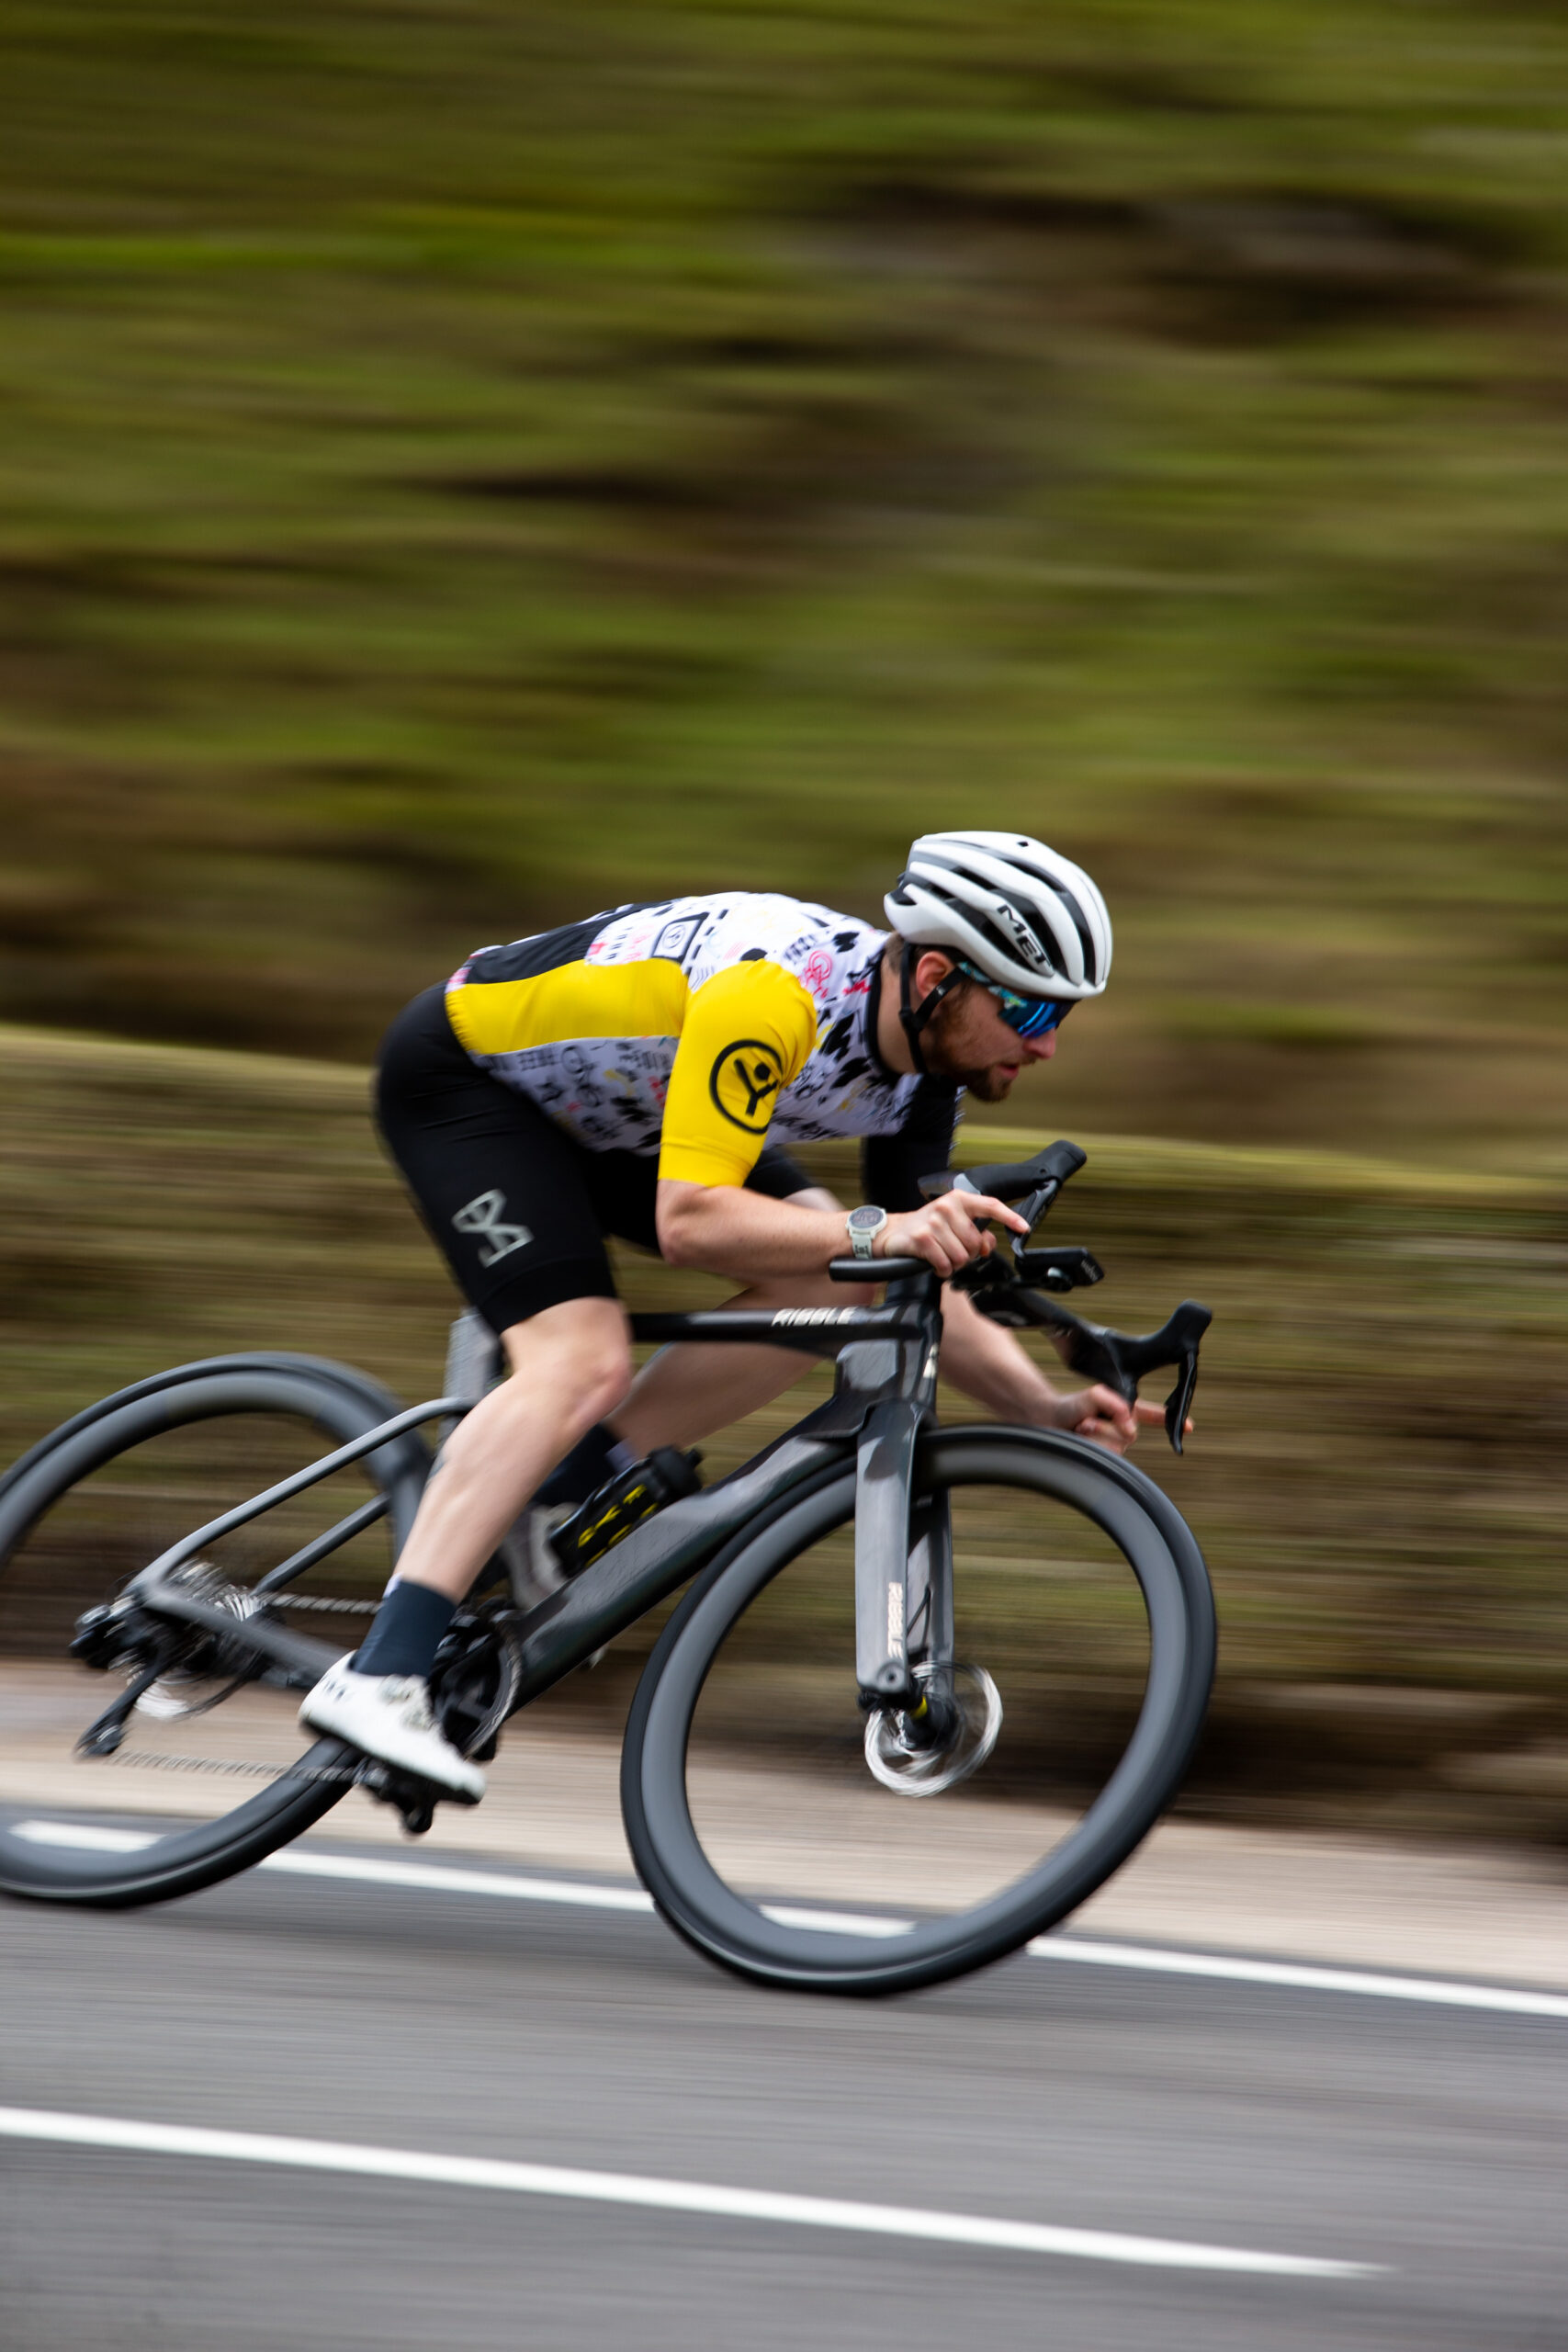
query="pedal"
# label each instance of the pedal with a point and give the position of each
(612, 1511)
(412, 1799)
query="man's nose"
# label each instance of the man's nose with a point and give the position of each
(1040, 1049)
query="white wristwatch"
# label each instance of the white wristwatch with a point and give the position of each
(864, 1225)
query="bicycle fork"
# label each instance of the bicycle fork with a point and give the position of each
(903, 1574)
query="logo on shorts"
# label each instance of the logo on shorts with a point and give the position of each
(743, 1082)
(483, 1217)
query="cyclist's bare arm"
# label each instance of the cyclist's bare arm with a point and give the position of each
(688, 1392)
(988, 1365)
(723, 1230)
(726, 1231)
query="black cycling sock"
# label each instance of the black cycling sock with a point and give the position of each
(406, 1632)
(593, 1459)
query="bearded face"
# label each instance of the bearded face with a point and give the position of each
(968, 1041)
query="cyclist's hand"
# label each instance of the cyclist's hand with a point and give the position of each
(946, 1232)
(1101, 1414)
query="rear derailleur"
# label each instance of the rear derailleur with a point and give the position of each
(190, 1669)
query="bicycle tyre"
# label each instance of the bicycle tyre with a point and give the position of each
(343, 1405)
(733, 1931)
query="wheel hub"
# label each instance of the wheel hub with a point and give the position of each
(901, 1751)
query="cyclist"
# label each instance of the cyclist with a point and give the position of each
(634, 1074)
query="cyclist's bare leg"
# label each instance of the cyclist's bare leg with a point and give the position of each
(689, 1391)
(569, 1367)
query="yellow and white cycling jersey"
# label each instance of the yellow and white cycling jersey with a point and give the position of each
(693, 1029)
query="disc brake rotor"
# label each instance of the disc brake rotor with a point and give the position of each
(894, 1757)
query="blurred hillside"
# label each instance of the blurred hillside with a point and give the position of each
(462, 465)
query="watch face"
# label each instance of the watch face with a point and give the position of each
(867, 1220)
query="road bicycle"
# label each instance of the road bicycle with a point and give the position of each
(828, 1578)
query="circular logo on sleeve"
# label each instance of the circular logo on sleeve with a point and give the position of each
(743, 1082)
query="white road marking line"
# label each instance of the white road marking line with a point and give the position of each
(433, 1878)
(664, 2195)
(836, 1922)
(441, 1880)
(438, 1879)
(1506, 1998)
(86, 1835)
(1503, 1999)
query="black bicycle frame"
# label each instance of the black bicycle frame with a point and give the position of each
(883, 1396)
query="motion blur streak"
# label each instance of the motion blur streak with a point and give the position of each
(669, 2195)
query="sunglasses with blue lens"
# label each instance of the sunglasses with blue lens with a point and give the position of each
(1026, 1016)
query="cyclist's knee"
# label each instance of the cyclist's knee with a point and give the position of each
(606, 1386)
(582, 1347)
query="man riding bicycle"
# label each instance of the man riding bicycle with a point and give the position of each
(633, 1074)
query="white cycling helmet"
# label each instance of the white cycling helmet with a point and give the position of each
(1019, 912)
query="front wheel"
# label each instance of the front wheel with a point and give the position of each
(1080, 1596)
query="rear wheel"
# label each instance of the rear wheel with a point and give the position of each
(209, 1775)
(779, 1840)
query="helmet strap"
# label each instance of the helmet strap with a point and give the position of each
(913, 1017)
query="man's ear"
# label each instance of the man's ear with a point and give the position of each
(930, 969)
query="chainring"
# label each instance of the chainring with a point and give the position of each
(476, 1678)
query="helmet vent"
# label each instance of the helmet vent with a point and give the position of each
(1027, 917)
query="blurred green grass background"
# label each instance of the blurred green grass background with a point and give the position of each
(461, 466)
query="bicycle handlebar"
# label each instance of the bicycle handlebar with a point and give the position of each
(1118, 1359)
(876, 1270)
(1008, 1296)
(1012, 1180)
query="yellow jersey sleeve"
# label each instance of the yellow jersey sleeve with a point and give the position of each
(747, 1036)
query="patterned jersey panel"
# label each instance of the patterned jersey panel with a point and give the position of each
(749, 1031)
(690, 1028)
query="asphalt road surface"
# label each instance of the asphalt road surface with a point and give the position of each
(589, 2070)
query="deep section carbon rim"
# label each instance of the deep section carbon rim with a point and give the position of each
(211, 1760)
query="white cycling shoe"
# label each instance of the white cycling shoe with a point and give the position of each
(387, 1716)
